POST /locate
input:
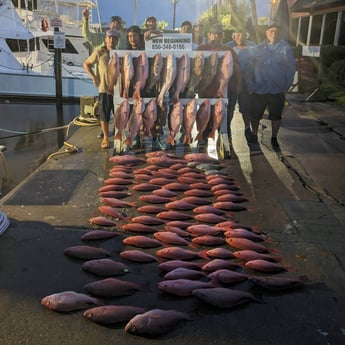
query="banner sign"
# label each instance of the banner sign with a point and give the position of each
(171, 42)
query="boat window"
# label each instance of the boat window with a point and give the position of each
(69, 46)
(22, 45)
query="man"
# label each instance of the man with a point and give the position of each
(239, 43)
(269, 75)
(97, 38)
(151, 28)
(100, 58)
(215, 43)
(186, 27)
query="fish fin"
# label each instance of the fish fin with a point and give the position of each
(203, 254)
(215, 282)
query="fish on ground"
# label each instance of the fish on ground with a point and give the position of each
(148, 220)
(86, 252)
(248, 255)
(105, 267)
(278, 283)
(183, 287)
(156, 322)
(243, 243)
(265, 266)
(171, 238)
(171, 215)
(111, 314)
(224, 297)
(184, 273)
(177, 253)
(111, 212)
(137, 256)
(112, 287)
(118, 203)
(217, 264)
(99, 234)
(102, 221)
(170, 265)
(141, 241)
(208, 240)
(226, 276)
(69, 301)
(127, 160)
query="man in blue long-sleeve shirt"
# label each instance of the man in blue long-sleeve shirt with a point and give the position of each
(269, 74)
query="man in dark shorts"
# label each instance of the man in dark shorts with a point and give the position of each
(269, 75)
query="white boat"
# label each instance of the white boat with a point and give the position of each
(27, 51)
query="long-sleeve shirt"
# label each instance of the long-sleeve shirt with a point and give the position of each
(96, 39)
(269, 69)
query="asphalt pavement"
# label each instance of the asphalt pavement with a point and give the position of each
(295, 197)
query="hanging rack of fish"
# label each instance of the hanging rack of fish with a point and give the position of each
(163, 100)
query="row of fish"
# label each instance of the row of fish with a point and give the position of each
(144, 120)
(172, 76)
(182, 221)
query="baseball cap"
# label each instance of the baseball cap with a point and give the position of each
(112, 33)
(216, 29)
(273, 25)
(116, 19)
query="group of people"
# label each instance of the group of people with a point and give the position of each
(262, 73)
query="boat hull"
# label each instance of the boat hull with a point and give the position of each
(35, 86)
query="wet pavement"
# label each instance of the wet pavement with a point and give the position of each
(296, 197)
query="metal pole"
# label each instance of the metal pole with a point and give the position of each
(135, 12)
(58, 92)
(174, 13)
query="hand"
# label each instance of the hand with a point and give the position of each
(86, 13)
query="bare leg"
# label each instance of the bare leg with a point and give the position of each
(105, 130)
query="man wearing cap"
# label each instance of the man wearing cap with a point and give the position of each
(101, 61)
(151, 28)
(269, 75)
(215, 43)
(97, 38)
(239, 44)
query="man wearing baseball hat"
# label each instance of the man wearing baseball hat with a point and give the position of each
(104, 79)
(269, 75)
(97, 38)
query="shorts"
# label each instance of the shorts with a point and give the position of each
(273, 102)
(105, 106)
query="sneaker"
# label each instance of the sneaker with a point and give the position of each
(275, 144)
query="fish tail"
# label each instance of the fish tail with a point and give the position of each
(203, 254)
(215, 282)
(212, 134)
(118, 136)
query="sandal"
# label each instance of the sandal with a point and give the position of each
(105, 144)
